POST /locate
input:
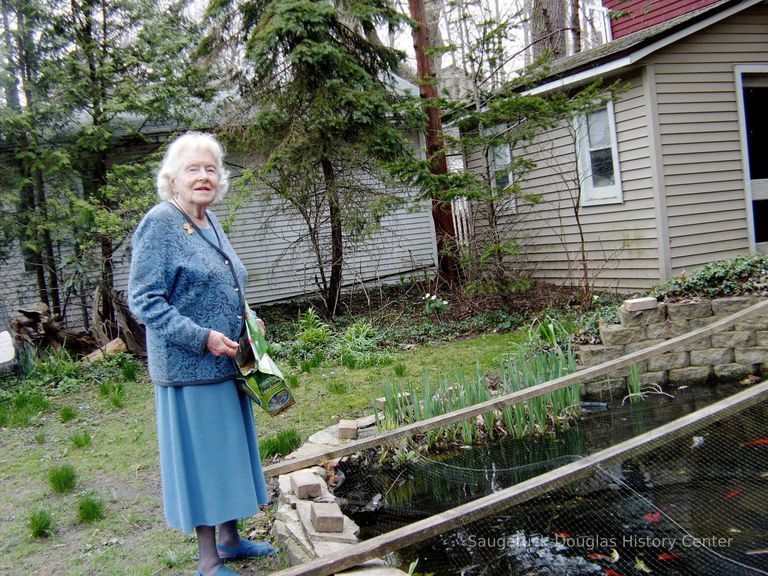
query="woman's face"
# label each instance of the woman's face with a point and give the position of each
(197, 182)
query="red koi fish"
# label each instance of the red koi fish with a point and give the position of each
(733, 493)
(760, 442)
(652, 517)
(562, 535)
(611, 572)
(669, 556)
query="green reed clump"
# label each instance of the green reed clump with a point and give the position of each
(40, 523)
(67, 413)
(406, 404)
(89, 509)
(81, 439)
(282, 443)
(62, 478)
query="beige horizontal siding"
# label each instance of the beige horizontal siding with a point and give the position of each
(620, 238)
(698, 123)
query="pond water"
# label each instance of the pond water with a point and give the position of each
(698, 505)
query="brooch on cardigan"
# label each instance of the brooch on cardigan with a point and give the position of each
(188, 227)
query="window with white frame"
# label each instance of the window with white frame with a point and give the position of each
(598, 157)
(500, 163)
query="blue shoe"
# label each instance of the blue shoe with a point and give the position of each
(246, 549)
(221, 571)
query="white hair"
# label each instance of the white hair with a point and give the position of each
(174, 158)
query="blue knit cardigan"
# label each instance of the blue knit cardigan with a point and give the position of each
(181, 287)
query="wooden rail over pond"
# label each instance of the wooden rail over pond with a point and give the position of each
(500, 501)
(396, 436)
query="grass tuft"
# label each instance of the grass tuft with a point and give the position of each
(81, 439)
(89, 509)
(40, 524)
(281, 444)
(62, 478)
(67, 413)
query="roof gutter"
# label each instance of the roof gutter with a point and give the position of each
(602, 69)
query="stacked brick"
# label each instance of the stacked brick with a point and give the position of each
(309, 523)
(731, 354)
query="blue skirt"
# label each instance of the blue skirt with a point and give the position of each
(209, 455)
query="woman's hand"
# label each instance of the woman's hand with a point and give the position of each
(219, 345)
(262, 327)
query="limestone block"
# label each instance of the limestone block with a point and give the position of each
(666, 330)
(740, 339)
(367, 421)
(604, 385)
(307, 449)
(348, 535)
(327, 437)
(761, 338)
(696, 323)
(728, 306)
(711, 356)
(285, 492)
(700, 344)
(669, 361)
(327, 517)
(690, 374)
(305, 484)
(659, 378)
(296, 533)
(641, 345)
(347, 429)
(290, 548)
(324, 548)
(689, 310)
(751, 355)
(591, 354)
(732, 371)
(404, 397)
(617, 335)
(631, 319)
(758, 322)
(638, 304)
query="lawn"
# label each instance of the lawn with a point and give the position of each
(119, 466)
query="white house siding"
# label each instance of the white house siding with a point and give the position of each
(280, 267)
(699, 131)
(621, 239)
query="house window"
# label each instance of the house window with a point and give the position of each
(500, 164)
(598, 157)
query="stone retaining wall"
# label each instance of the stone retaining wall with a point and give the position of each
(730, 355)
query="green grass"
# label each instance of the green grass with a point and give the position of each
(62, 479)
(40, 523)
(81, 439)
(282, 443)
(123, 463)
(318, 407)
(67, 413)
(89, 509)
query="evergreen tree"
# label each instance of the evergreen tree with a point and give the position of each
(319, 79)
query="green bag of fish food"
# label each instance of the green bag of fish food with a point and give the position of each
(260, 378)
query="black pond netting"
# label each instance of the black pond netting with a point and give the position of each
(697, 505)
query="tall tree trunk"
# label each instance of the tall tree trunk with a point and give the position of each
(575, 26)
(27, 204)
(49, 258)
(337, 241)
(548, 27)
(28, 67)
(447, 252)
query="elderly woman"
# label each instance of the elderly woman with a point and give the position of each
(187, 287)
